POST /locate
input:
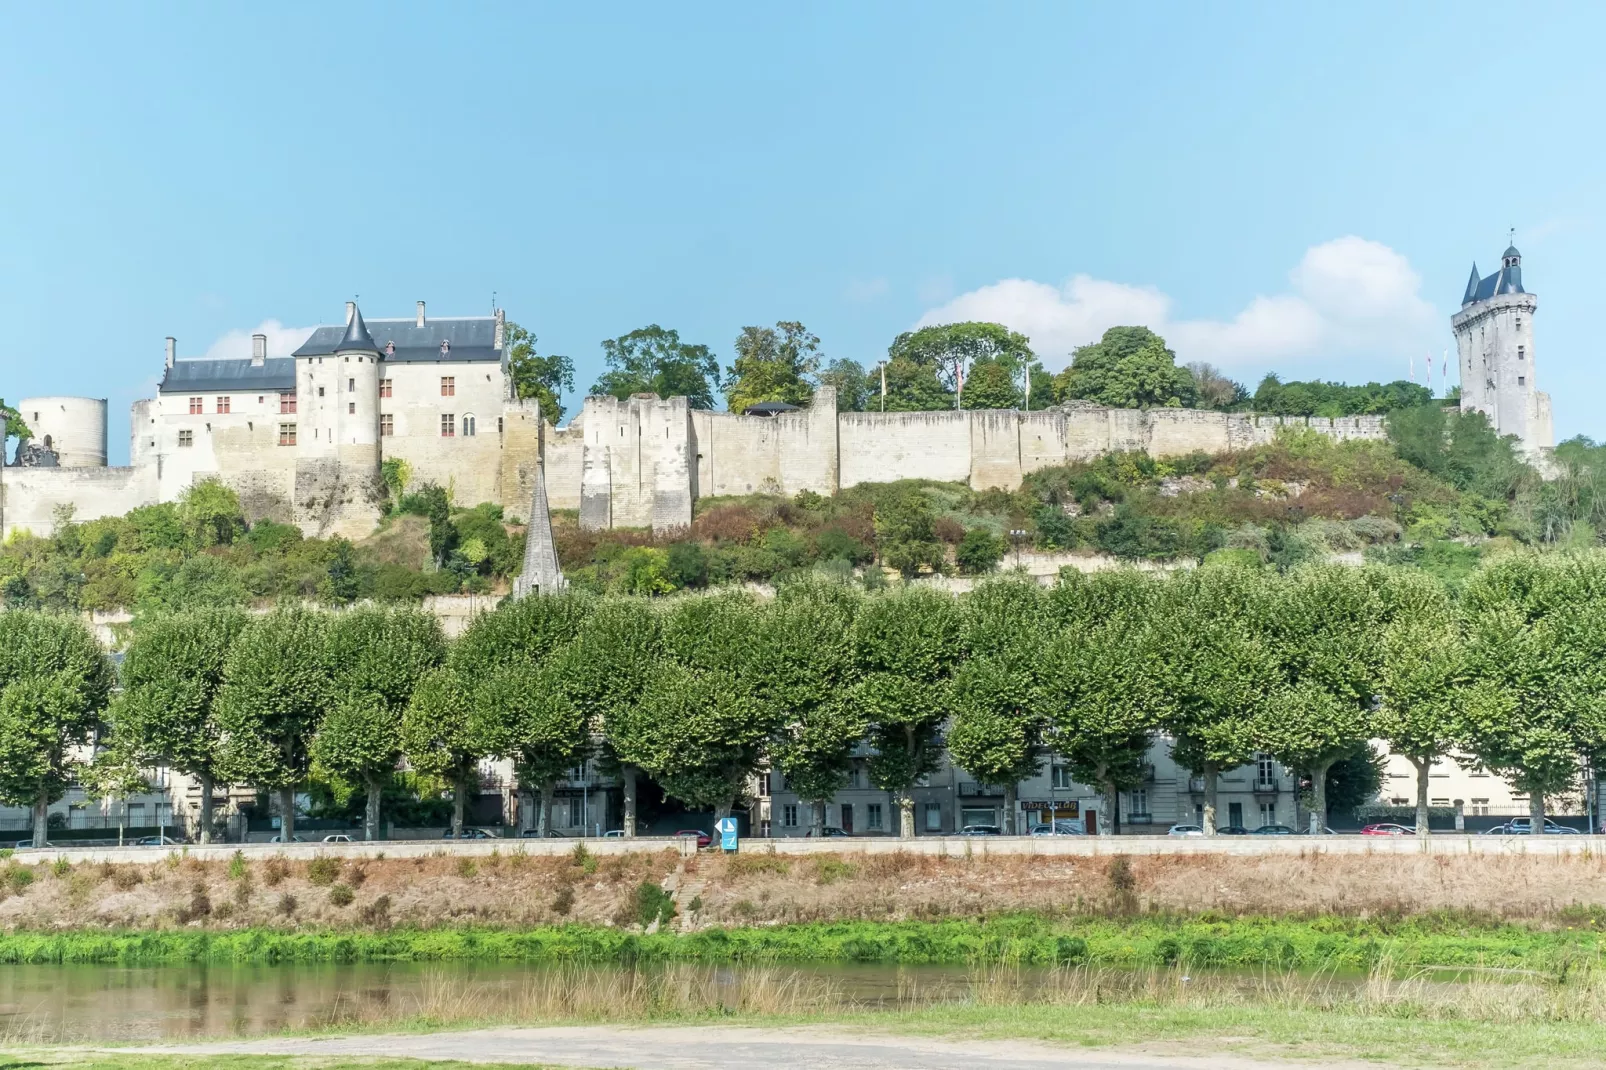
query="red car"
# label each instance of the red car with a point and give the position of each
(703, 839)
(1387, 830)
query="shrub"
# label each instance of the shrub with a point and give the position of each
(17, 878)
(275, 871)
(323, 871)
(466, 868)
(200, 903)
(124, 877)
(688, 565)
(237, 866)
(979, 551)
(60, 868)
(583, 858)
(341, 895)
(377, 912)
(834, 544)
(653, 904)
(831, 870)
(563, 902)
(287, 904)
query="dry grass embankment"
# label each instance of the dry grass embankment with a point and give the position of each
(759, 888)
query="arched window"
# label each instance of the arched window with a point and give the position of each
(468, 425)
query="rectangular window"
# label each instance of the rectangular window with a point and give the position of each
(351, 386)
(934, 817)
(1438, 802)
(1265, 771)
(186, 438)
(384, 388)
(763, 785)
(1235, 815)
(287, 434)
(469, 427)
(195, 406)
(448, 386)
(387, 424)
(1521, 379)
(320, 391)
(872, 816)
(1062, 776)
(1522, 353)
(789, 815)
(287, 403)
(577, 815)
(224, 404)
(1480, 807)
(1268, 813)
(1140, 801)
(448, 425)
(351, 408)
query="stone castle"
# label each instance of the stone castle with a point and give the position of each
(302, 438)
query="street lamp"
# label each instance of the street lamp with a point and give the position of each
(1017, 536)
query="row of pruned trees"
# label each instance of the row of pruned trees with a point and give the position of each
(700, 693)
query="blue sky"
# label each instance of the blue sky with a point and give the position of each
(1275, 187)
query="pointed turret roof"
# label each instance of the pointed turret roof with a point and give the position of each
(357, 338)
(1472, 287)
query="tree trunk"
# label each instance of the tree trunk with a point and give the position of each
(817, 819)
(1212, 796)
(1010, 822)
(543, 819)
(287, 815)
(1422, 769)
(1536, 813)
(1318, 796)
(1107, 826)
(41, 820)
(370, 819)
(205, 835)
(722, 810)
(906, 815)
(628, 772)
(459, 799)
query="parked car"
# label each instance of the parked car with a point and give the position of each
(535, 834)
(23, 845)
(1323, 831)
(1062, 827)
(981, 830)
(829, 830)
(703, 838)
(1388, 829)
(1273, 830)
(614, 834)
(1232, 830)
(1521, 826)
(469, 834)
(338, 837)
(1186, 831)
(278, 837)
(157, 841)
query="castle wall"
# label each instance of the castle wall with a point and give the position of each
(738, 454)
(470, 467)
(564, 455)
(240, 447)
(30, 497)
(522, 433)
(882, 447)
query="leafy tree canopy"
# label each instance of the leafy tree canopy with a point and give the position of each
(773, 364)
(854, 387)
(653, 360)
(544, 378)
(1129, 368)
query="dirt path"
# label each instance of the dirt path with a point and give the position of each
(725, 1048)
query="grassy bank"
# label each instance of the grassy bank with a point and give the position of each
(1029, 940)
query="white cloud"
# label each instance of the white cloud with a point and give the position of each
(1348, 296)
(282, 341)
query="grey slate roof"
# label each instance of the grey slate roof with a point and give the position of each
(190, 376)
(472, 338)
(1508, 280)
(357, 338)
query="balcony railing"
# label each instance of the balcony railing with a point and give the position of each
(1196, 784)
(1267, 787)
(980, 791)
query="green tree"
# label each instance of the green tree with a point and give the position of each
(209, 509)
(991, 384)
(112, 777)
(951, 349)
(773, 364)
(442, 534)
(1421, 688)
(376, 658)
(514, 659)
(1129, 368)
(275, 689)
(1218, 670)
(1102, 693)
(654, 360)
(854, 388)
(544, 378)
(1325, 624)
(169, 708)
(979, 551)
(911, 387)
(11, 426)
(443, 737)
(997, 733)
(905, 533)
(906, 645)
(1212, 389)
(53, 684)
(802, 671)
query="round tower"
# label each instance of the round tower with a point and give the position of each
(1494, 334)
(74, 429)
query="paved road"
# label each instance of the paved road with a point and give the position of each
(727, 1048)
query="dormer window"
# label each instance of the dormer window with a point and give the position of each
(390, 349)
(446, 347)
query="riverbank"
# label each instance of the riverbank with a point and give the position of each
(1320, 943)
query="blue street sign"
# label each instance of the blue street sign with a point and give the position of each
(727, 833)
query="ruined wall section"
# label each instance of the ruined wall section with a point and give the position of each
(637, 463)
(523, 430)
(31, 497)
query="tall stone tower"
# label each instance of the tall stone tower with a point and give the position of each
(1494, 340)
(337, 448)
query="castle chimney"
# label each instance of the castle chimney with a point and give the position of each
(259, 350)
(501, 326)
(420, 313)
(351, 310)
(172, 347)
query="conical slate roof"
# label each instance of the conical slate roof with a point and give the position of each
(357, 338)
(1511, 250)
(1472, 287)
